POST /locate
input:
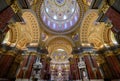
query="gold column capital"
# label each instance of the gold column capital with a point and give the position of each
(19, 58)
(12, 53)
(86, 54)
(33, 53)
(104, 7)
(100, 60)
(2, 50)
(109, 53)
(112, 2)
(76, 56)
(15, 7)
(109, 25)
(10, 25)
(117, 51)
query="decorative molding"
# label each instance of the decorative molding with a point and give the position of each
(60, 36)
(59, 43)
(25, 33)
(88, 19)
(109, 53)
(31, 20)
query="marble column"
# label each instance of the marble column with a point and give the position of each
(46, 68)
(5, 64)
(114, 64)
(5, 16)
(95, 65)
(89, 66)
(30, 66)
(74, 70)
(23, 64)
(114, 16)
(15, 66)
(106, 70)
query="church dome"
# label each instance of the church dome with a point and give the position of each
(60, 15)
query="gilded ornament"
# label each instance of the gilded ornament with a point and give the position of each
(15, 7)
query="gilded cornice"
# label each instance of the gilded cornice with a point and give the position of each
(117, 51)
(33, 53)
(19, 58)
(100, 60)
(109, 53)
(12, 53)
(75, 56)
(2, 50)
(85, 54)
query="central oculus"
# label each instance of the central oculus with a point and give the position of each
(59, 2)
(60, 15)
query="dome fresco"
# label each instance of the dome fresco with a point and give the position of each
(60, 15)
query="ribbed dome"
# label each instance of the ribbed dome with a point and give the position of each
(60, 15)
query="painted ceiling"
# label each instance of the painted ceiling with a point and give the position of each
(60, 15)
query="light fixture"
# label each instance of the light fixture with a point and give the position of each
(47, 9)
(65, 17)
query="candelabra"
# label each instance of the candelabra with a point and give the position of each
(83, 72)
(37, 66)
(24, 71)
(94, 70)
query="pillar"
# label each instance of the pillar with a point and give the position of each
(74, 70)
(30, 66)
(89, 67)
(46, 68)
(5, 16)
(14, 67)
(20, 73)
(95, 65)
(106, 71)
(5, 64)
(104, 67)
(114, 16)
(114, 64)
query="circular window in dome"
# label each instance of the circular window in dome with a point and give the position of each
(60, 15)
(60, 2)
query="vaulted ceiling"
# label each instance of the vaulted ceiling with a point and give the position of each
(59, 24)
